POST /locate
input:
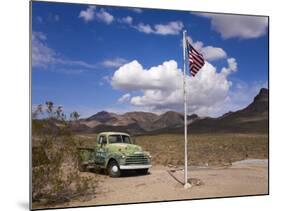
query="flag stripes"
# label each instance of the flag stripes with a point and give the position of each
(196, 60)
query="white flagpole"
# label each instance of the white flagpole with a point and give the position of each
(186, 185)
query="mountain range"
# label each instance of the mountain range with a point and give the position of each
(137, 122)
(251, 119)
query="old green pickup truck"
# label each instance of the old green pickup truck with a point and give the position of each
(115, 152)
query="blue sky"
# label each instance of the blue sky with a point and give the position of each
(93, 58)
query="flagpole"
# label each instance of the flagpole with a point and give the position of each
(186, 185)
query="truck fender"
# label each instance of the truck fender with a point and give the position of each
(113, 156)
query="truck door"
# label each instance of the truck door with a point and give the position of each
(100, 151)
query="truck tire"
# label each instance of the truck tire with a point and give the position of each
(113, 169)
(82, 167)
(142, 171)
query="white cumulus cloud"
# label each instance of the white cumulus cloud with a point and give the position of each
(161, 87)
(42, 55)
(88, 14)
(241, 26)
(132, 76)
(127, 20)
(232, 66)
(124, 98)
(115, 62)
(213, 53)
(210, 53)
(145, 28)
(105, 16)
(92, 13)
(171, 28)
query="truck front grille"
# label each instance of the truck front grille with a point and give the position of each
(136, 159)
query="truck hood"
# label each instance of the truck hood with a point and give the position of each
(124, 148)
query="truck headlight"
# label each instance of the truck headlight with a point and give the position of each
(123, 156)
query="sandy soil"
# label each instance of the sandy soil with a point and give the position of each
(248, 177)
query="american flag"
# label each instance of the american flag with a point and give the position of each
(196, 60)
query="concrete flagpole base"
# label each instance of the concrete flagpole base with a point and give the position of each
(187, 185)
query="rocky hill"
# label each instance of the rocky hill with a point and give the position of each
(252, 119)
(133, 122)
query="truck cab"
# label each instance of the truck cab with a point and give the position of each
(115, 152)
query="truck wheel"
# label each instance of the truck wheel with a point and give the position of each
(113, 169)
(82, 167)
(142, 171)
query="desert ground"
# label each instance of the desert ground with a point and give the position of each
(220, 165)
(248, 177)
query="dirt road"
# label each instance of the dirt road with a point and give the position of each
(248, 177)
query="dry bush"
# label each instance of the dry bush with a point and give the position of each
(55, 174)
(205, 149)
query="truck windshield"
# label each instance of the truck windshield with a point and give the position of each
(119, 139)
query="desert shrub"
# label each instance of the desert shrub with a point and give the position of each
(39, 157)
(205, 149)
(55, 174)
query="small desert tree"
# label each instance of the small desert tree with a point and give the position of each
(50, 108)
(74, 116)
(59, 113)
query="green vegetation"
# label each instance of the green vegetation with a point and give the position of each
(55, 174)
